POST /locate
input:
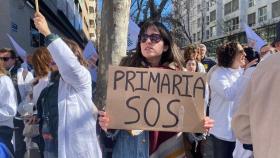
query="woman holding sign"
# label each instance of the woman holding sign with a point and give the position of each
(68, 125)
(155, 48)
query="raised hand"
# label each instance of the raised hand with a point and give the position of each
(41, 24)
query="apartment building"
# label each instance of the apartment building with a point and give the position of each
(215, 21)
(67, 18)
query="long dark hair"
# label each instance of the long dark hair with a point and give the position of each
(171, 55)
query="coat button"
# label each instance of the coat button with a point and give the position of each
(143, 141)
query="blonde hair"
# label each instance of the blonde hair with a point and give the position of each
(2, 68)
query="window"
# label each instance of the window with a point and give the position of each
(191, 2)
(227, 8)
(91, 10)
(194, 37)
(207, 6)
(213, 16)
(231, 7)
(198, 36)
(207, 34)
(91, 23)
(235, 23)
(252, 19)
(232, 24)
(235, 5)
(198, 22)
(262, 14)
(198, 8)
(91, 35)
(207, 20)
(212, 2)
(275, 9)
(252, 3)
(212, 31)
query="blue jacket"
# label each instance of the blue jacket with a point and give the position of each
(128, 146)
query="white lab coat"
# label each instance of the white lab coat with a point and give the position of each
(77, 113)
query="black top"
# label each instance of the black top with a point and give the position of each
(208, 63)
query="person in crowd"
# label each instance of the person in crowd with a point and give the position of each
(43, 66)
(8, 109)
(207, 62)
(22, 81)
(192, 65)
(226, 81)
(192, 52)
(256, 120)
(155, 48)
(252, 57)
(267, 50)
(68, 115)
(276, 43)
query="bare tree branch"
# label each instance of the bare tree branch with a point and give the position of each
(161, 6)
(139, 10)
(152, 7)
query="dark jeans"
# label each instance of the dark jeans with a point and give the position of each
(207, 148)
(19, 139)
(221, 148)
(6, 135)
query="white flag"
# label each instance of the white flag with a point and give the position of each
(89, 50)
(90, 54)
(132, 38)
(253, 39)
(20, 51)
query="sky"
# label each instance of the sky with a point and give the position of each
(167, 9)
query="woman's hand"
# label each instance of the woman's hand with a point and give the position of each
(41, 24)
(32, 120)
(92, 61)
(103, 120)
(251, 63)
(208, 123)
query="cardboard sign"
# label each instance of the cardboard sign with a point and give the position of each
(155, 99)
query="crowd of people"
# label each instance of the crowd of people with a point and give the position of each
(50, 106)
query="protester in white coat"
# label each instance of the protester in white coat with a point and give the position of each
(77, 113)
(8, 108)
(22, 81)
(225, 83)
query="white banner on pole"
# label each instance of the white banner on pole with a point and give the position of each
(132, 38)
(20, 51)
(253, 39)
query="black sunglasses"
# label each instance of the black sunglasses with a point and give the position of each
(5, 58)
(155, 38)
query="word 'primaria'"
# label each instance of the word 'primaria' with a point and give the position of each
(163, 83)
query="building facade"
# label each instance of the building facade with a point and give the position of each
(216, 21)
(67, 18)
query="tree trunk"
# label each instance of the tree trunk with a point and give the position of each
(113, 42)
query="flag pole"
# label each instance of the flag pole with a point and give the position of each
(37, 6)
